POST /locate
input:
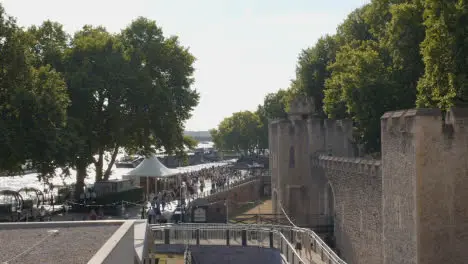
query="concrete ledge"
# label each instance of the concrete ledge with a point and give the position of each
(141, 240)
(63, 224)
(105, 251)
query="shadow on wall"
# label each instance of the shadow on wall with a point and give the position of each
(345, 248)
(236, 197)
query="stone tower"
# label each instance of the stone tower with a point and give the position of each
(291, 170)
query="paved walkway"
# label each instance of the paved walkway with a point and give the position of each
(308, 257)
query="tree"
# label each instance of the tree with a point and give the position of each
(48, 44)
(238, 132)
(262, 132)
(275, 104)
(130, 90)
(312, 71)
(33, 104)
(217, 140)
(445, 53)
(98, 78)
(360, 81)
(404, 35)
(190, 142)
(163, 85)
(355, 27)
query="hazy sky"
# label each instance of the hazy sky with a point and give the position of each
(244, 48)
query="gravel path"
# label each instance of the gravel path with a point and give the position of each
(74, 245)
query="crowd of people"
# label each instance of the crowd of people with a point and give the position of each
(191, 184)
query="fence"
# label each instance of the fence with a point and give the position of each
(308, 241)
(224, 234)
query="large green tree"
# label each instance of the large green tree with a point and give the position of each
(99, 78)
(130, 90)
(445, 52)
(312, 71)
(238, 132)
(48, 43)
(377, 66)
(360, 81)
(33, 104)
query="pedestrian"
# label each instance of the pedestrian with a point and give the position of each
(151, 215)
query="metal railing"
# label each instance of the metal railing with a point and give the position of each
(310, 243)
(226, 234)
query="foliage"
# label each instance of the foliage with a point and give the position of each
(374, 64)
(190, 142)
(238, 132)
(312, 71)
(75, 101)
(33, 104)
(445, 52)
(360, 79)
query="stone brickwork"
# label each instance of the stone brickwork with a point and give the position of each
(425, 183)
(236, 196)
(409, 207)
(357, 191)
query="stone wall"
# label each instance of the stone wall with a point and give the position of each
(236, 196)
(410, 207)
(425, 210)
(354, 198)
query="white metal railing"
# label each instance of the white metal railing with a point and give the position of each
(308, 239)
(226, 234)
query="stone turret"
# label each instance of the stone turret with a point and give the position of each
(301, 108)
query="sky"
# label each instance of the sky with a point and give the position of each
(245, 49)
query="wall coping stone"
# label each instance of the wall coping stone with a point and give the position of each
(355, 165)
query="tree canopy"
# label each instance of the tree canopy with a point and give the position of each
(74, 101)
(386, 55)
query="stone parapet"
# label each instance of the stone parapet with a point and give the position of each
(403, 121)
(352, 165)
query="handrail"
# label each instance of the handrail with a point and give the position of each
(286, 248)
(317, 241)
(330, 253)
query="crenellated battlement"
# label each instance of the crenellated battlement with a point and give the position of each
(424, 158)
(301, 106)
(351, 165)
(403, 121)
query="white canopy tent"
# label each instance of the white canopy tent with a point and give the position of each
(150, 170)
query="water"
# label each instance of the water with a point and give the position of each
(31, 180)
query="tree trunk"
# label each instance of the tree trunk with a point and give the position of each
(80, 177)
(111, 163)
(98, 165)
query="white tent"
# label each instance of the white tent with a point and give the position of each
(152, 167)
(150, 170)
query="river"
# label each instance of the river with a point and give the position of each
(31, 180)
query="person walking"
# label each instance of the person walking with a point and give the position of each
(151, 215)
